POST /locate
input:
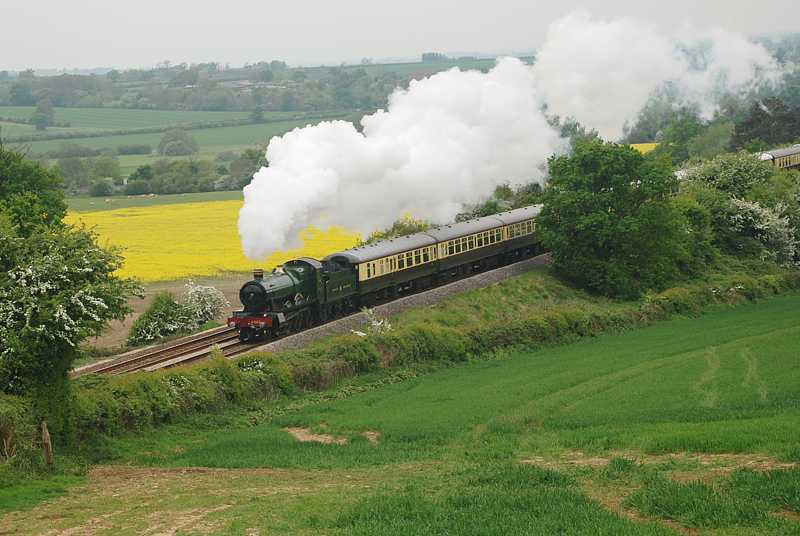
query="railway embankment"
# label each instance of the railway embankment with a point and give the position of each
(531, 310)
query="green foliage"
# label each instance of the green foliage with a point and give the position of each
(142, 148)
(16, 430)
(165, 316)
(770, 121)
(43, 117)
(405, 225)
(734, 173)
(56, 288)
(177, 142)
(30, 195)
(714, 140)
(100, 188)
(676, 139)
(608, 222)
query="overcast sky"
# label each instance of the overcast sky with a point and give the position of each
(107, 33)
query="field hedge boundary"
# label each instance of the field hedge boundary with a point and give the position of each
(111, 405)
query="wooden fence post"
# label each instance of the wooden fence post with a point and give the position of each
(47, 446)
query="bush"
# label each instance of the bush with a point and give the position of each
(134, 149)
(204, 303)
(17, 428)
(177, 142)
(164, 317)
(774, 232)
(138, 188)
(735, 174)
(100, 188)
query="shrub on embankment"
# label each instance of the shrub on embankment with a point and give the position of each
(109, 405)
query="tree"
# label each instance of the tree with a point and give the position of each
(676, 137)
(100, 188)
(770, 121)
(43, 116)
(74, 171)
(608, 221)
(257, 115)
(141, 173)
(245, 166)
(177, 142)
(107, 167)
(57, 287)
(712, 141)
(139, 187)
(30, 195)
(403, 226)
(21, 94)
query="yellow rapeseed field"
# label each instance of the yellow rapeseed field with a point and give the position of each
(644, 148)
(168, 242)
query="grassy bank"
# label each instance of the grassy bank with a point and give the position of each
(687, 424)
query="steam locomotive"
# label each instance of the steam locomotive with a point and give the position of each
(304, 292)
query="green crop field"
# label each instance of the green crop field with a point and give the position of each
(685, 426)
(211, 140)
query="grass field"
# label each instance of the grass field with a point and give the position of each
(687, 426)
(209, 139)
(167, 241)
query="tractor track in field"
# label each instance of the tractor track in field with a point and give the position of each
(199, 346)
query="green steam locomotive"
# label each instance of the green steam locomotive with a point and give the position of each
(305, 292)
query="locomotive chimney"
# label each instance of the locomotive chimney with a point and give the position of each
(258, 274)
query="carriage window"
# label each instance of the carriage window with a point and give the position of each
(401, 262)
(418, 256)
(426, 255)
(451, 248)
(369, 270)
(471, 242)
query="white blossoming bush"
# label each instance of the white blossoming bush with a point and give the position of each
(375, 325)
(204, 303)
(56, 288)
(164, 317)
(773, 231)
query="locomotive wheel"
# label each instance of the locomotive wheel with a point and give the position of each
(246, 334)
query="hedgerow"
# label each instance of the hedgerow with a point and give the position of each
(108, 405)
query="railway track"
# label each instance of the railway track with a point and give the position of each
(177, 352)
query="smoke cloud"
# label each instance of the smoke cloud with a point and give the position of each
(601, 72)
(450, 139)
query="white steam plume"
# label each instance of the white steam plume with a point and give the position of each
(601, 72)
(448, 140)
(452, 138)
